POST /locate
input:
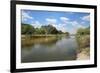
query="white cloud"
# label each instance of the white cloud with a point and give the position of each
(65, 26)
(25, 16)
(51, 20)
(61, 27)
(70, 26)
(36, 24)
(72, 31)
(82, 22)
(86, 18)
(64, 18)
(76, 24)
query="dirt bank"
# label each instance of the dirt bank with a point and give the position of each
(83, 55)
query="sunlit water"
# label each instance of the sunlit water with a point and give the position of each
(46, 49)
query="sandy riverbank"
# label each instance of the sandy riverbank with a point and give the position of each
(83, 55)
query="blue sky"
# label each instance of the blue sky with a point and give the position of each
(65, 21)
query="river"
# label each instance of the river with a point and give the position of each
(49, 49)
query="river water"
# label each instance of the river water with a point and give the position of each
(50, 49)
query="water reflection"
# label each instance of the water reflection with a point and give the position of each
(48, 49)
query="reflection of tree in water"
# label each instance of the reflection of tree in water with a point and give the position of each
(46, 41)
(60, 48)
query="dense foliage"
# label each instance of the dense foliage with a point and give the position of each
(47, 29)
(27, 29)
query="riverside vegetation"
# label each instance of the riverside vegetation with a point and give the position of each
(38, 35)
(83, 38)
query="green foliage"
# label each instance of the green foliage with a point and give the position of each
(83, 38)
(47, 29)
(27, 29)
(67, 33)
(60, 32)
(39, 31)
(84, 31)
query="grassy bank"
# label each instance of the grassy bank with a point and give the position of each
(38, 36)
(43, 35)
(84, 46)
(28, 40)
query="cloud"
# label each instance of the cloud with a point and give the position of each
(74, 23)
(61, 27)
(69, 26)
(73, 31)
(86, 18)
(51, 20)
(36, 24)
(26, 16)
(64, 19)
(82, 22)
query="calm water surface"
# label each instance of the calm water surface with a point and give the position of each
(49, 49)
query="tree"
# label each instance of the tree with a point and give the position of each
(49, 29)
(83, 31)
(39, 31)
(67, 33)
(60, 32)
(27, 29)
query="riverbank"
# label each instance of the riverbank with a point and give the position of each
(84, 47)
(27, 40)
(84, 54)
(43, 35)
(39, 36)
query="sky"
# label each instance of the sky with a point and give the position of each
(64, 21)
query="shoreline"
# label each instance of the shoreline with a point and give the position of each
(83, 55)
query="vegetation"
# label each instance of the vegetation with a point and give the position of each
(83, 38)
(47, 29)
(27, 29)
(83, 31)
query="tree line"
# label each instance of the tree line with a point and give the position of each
(83, 31)
(46, 29)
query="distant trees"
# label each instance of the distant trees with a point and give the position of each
(67, 33)
(39, 31)
(83, 31)
(47, 29)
